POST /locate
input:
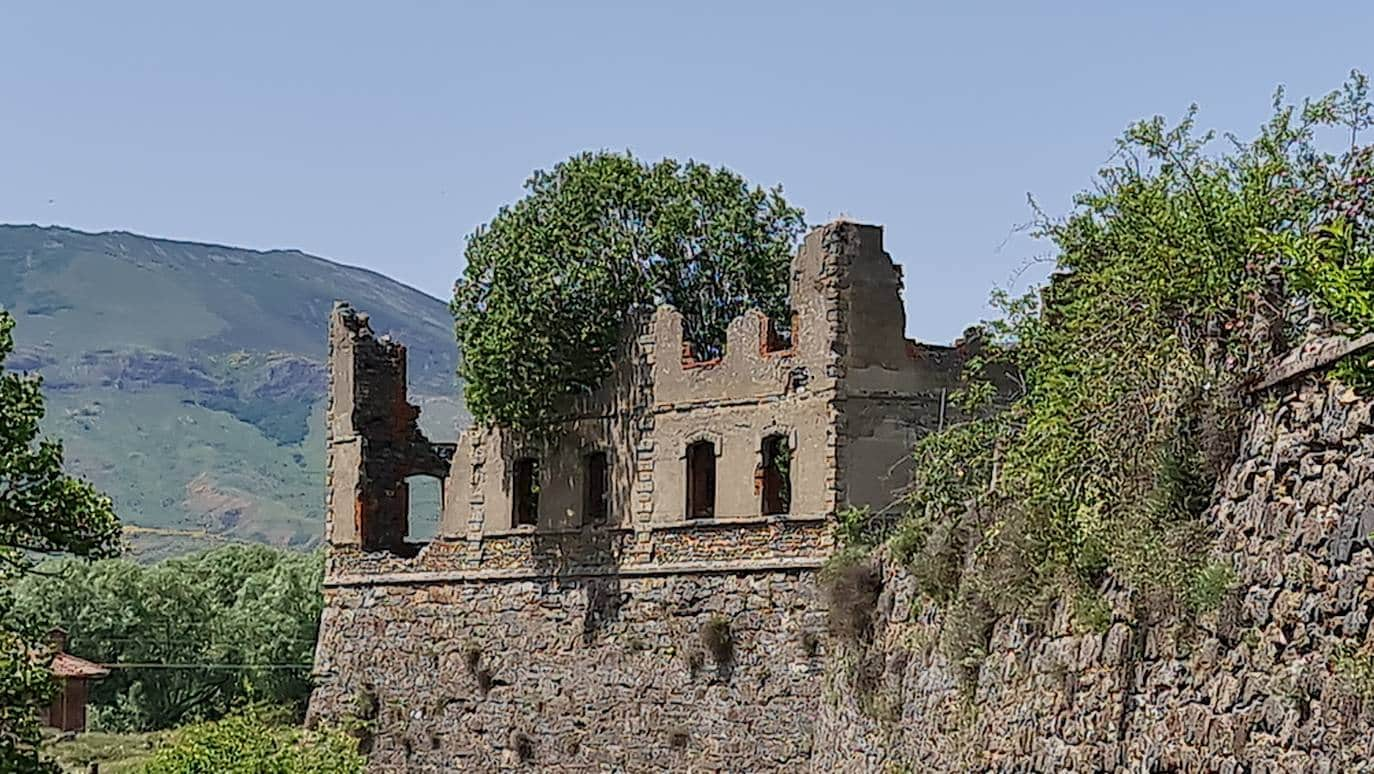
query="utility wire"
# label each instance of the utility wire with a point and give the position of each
(205, 666)
(181, 640)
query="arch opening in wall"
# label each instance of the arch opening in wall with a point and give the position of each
(424, 506)
(525, 493)
(596, 478)
(701, 480)
(775, 475)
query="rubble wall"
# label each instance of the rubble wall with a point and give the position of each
(594, 673)
(1275, 680)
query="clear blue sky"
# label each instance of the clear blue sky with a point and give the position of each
(380, 134)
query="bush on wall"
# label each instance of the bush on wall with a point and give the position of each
(1179, 275)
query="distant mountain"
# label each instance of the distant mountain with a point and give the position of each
(188, 380)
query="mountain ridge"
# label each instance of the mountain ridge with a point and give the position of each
(187, 378)
(296, 251)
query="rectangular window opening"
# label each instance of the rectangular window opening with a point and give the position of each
(777, 476)
(598, 483)
(424, 504)
(701, 480)
(778, 337)
(525, 493)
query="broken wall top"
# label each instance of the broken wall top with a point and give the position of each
(848, 320)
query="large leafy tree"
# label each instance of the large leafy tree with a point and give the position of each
(549, 282)
(42, 511)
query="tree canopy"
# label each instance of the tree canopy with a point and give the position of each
(551, 280)
(239, 622)
(43, 510)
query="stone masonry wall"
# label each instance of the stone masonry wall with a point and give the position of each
(595, 673)
(608, 671)
(606, 650)
(583, 644)
(1270, 682)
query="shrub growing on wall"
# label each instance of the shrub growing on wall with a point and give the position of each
(551, 280)
(1180, 274)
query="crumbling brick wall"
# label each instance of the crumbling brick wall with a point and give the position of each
(373, 441)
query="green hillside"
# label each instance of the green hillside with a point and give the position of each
(187, 380)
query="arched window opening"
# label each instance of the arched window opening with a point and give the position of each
(425, 496)
(776, 475)
(701, 480)
(597, 478)
(525, 493)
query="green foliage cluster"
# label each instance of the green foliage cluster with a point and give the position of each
(1180, 274)
(1355, 668)
(1208, 588)
(550, 281)
(25, 686)
(1334, 265)
(851, 584)
(218, 610)
(782, 464)
(253, 741)
(42, 511)
(284, 420)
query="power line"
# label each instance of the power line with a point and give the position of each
(186, 640)
(205, 666)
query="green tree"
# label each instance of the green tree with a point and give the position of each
(230, 609)
(42, 511)
(550, 281)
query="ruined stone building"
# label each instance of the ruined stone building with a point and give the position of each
(635, 592)
(639, 593)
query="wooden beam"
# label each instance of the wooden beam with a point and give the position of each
(1313, 355)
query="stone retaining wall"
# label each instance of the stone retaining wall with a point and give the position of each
(556, 668)
(600, 673)
(1270, 682)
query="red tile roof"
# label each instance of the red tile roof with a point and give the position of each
(67, 665)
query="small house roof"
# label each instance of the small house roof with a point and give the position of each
(67, 665)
